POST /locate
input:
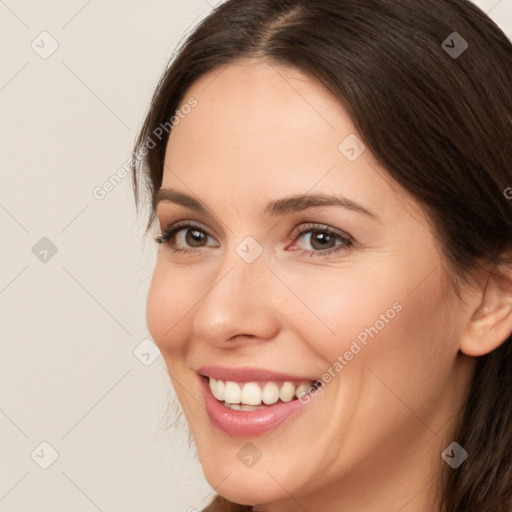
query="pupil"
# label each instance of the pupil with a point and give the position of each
(322, 238)
(194, 236)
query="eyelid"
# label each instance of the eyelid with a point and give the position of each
(308, 227)
(168, 217)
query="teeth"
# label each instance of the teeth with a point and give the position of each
(232, 393)
(243, 407)
(301, 390)
(287, 392)
(217, 387)
(270, 393)
(250, 394)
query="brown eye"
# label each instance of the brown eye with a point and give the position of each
(183, 237)
(321, 240)
(194, 237)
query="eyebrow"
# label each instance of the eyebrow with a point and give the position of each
(282, 206)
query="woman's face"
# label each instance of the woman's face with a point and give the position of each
(351, 293)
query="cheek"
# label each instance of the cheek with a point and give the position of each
(406, 353)
(335, 310)
(374, 319)
(168, 301)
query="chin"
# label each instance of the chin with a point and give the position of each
(241, 485)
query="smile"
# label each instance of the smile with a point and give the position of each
(241, 407)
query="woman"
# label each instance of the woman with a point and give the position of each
(333, 289)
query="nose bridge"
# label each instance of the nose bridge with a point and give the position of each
(243, 268)
(236, 301)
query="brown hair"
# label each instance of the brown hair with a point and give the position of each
(439, 123)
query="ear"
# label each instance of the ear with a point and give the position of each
(491, 323)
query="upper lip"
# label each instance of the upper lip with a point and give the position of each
(248, 374)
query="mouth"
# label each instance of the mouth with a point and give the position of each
(242, 407)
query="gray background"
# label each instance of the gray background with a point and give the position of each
(78, 370)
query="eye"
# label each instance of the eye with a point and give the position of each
(322, 239)
(184, 237)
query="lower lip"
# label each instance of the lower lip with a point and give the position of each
(247, 423)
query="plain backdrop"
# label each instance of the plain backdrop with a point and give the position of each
(84, 394)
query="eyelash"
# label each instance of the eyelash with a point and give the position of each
(166, 236)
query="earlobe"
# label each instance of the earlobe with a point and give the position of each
(491, 323)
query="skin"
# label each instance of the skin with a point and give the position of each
(372, 438)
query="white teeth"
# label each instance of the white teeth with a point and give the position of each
(287, 392)
(217, 387)
(301, 389)
(270, 393)
(232, 393)
(250, 394)
(243, 407)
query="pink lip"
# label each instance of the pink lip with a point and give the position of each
(247, 423)
(248, 374)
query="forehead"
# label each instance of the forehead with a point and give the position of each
(261, 98)
(270, 130)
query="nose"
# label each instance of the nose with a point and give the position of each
(238, 304)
